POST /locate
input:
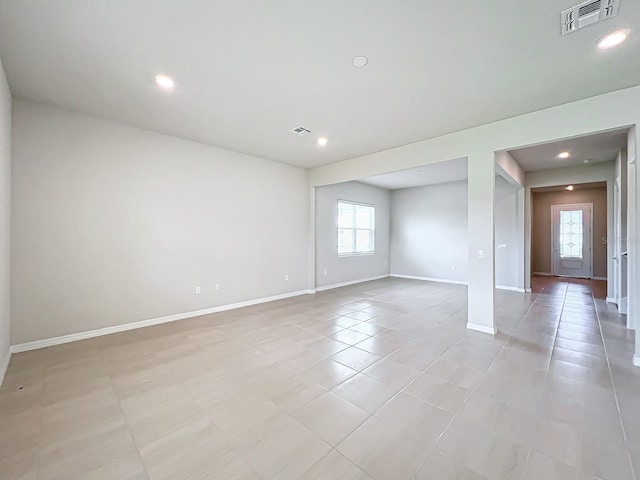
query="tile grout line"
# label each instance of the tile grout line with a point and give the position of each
(455, 415)
(42, 407)
(392, 398)
(555, 336)
(615, 390)
(526, 461)
(332, 447)
(126, 420)
(553, 346)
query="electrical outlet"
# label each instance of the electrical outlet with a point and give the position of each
(325, 272)
(454, 268)
(286, 277)
(197, 289)
(502, 246)
(217, 286)
(480, 253)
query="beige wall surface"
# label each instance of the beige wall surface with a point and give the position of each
(114, 224)
(541, 226)
(5, 218)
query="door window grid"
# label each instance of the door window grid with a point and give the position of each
(571, 234)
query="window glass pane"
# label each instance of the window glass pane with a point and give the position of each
(576, 216)
(365, 240)
(364, 217)
(356, 228)
(576, 229)
(346, 214)
(346, 241)
(571, 234)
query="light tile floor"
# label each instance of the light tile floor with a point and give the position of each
(376, 381)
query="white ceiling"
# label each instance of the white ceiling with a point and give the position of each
(601, 147)
(441, 172)
(248, 71)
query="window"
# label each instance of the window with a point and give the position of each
(571, 234)
(356, 228)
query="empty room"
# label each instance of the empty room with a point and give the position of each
(321, 241)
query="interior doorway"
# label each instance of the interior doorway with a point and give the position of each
(572, 240)
(569, 230)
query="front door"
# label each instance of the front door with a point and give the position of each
(571, 240)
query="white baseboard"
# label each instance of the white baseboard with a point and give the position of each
(48, 342)
(455, 282)
(623, 307)
(350, 282)
(513, 289)
(527, 290)
(636, 360)
(430, 279)
(4, 363)
(482, 328)
(611, 300)
(599, 278)
(542, 274)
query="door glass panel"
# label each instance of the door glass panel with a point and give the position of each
(571, 234)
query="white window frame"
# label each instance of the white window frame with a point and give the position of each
(355, 236)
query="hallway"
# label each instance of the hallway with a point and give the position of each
(591, 384)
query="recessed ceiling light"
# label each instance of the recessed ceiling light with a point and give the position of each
(360, 61)
(417, 172)
(564, 155)
(570, 187)
(165, 82)
(613, 39)
(322, 141)
(586, 161)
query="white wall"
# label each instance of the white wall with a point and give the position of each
(633, 237)
(429, 231)
(114, 224)
(353, 267)
(5, 220)
(507, 234)
(620, 230)
(508, 166)
(610, 111)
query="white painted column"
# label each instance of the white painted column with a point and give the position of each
(631, 241)
(311, 253)
(611, 235)
(520, 225)
(633, 238)
(527, 238)
(481, 171)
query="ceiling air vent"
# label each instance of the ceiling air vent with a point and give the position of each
(588, 13)
(301, 131)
